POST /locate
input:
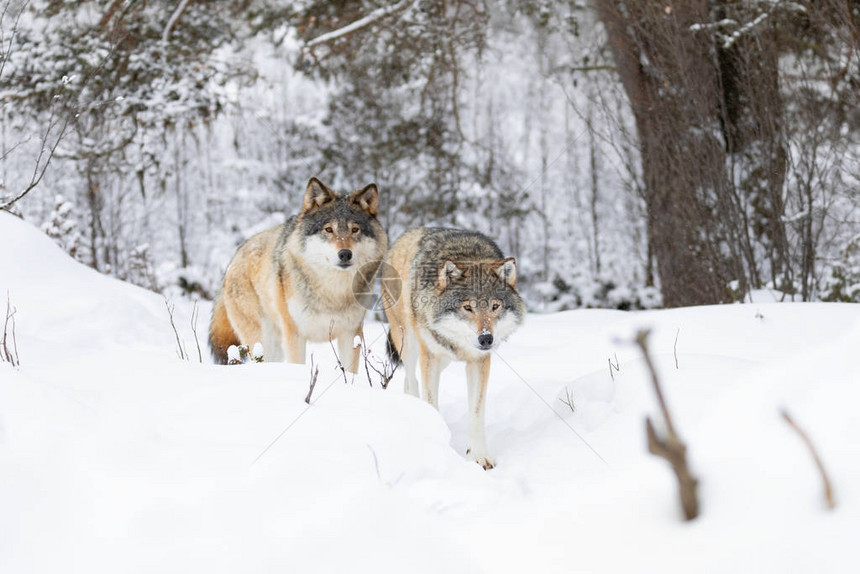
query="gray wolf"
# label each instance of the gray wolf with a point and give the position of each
(459, 301)
(295, 282)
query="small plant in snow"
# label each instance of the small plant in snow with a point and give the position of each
(241, 354)
(234, 357)
(568, 400)
(181, 350)
(257, 353)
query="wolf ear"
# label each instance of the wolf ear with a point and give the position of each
(367, 199)
(507, 270)
(317, 195)
(448, 273)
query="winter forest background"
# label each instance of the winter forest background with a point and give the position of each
(628, 153)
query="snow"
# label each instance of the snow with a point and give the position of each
(116, 456)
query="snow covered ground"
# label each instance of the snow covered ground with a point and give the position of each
(116, 456)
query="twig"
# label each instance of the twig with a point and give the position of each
(669, 448)
(365, 354)
(568, 400)
(7, 355)
(42, 162)
(333, 350)
(315, 371)
(387, 370)
(180, 349)
(613, 367)
(675, 347)
(828, 489)
(195, 312)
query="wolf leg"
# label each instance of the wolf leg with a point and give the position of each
(431, 368)
(347, 352)
(294, 344)
(409, 356)
(294, 347)
(477, 375)
(273, 347)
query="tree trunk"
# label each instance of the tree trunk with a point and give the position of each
(673, 85)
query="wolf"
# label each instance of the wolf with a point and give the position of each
(458, 301)
(297, 282)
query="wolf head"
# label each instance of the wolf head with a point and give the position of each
(340, 231)
(477, 303)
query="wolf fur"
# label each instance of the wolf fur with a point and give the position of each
(458, 302)
(297, 282)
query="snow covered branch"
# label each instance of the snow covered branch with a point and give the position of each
(174, 19)
(730, 39)
(734, 36)
(370, 19)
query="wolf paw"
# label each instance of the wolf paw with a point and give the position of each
(484, 461)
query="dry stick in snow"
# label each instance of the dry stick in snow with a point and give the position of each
(670, 448)
(333, 350)
(828, 489)
(180, 349)
(7, 355)
(675, 347)
(388, 368)
(613, 367)
(569, 400)
(195, 313)
(315, 371)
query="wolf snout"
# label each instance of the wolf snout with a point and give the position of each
(485, 340)
(345, 256)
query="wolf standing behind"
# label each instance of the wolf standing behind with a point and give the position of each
(458, 302)
(296, 282)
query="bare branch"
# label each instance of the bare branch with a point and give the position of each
(670, 448)
(333, 350)
(675, 347)
(613, 367)
(642, 341)
(7, 355)
(568, 400)
(315, 371)
(6, 51)
(195, 313)
(46, 154)
(828, 489)
(109, 13)
(180, 348)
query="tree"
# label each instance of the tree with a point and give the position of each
(704, 83)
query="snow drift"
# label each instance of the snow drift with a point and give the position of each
(116, 456)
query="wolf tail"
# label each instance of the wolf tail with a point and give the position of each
(393, 355)
(221, 334)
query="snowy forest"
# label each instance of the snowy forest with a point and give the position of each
(629, 154)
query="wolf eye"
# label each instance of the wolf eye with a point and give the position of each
(329, 229)
(467, 308)
(355, 230)
(496, 306)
